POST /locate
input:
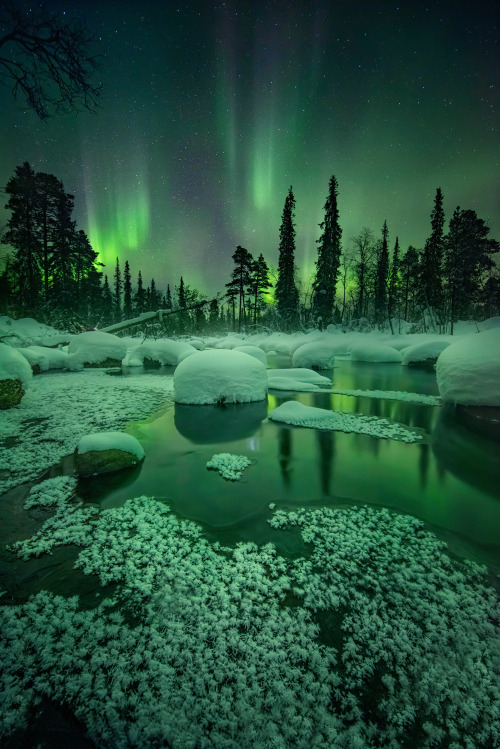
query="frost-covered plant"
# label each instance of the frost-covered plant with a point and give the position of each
(230, 466)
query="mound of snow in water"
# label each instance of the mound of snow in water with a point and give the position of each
(220, 377)
(229, 342)
(164, 351)
(468, 371)
(13, 366)
(230, 466)
(94, 347)
(296, 414)
(317, 355)
(253, 351)
(429, 349)
(45, 358)
(27, 330)
(372, 351)
(303, 380)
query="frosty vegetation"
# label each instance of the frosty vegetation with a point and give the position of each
(377, 638)
(230, 466)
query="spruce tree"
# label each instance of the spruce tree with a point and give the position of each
(168, 298)
(259, 285)
(139, 297)
(287, 296)
(431, 261)
(117, 301)
(468, 251)
(24, 236)
(409, 267)
(328, 262)
(63, 251)
(127, 292)
(393, 286)
(107, 303)
(381, 273)
(241, 278)
(181, 294)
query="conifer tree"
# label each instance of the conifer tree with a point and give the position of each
(431, 261)
(117, 301)
(63, 250)
(409, 266)
(139, 297)
(393, 286)
(231, 295)
(241, 278)
(127, 292)
(49, 190)
(468, 251)
(107, 303)
(381, 273)
(287, 296)
(328, 262)
(259, 284)
(23, 235)
(168, 298)
(363, 262)
(213, 314)
(181, 294)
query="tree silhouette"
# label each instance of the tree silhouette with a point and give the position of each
(47, 61)
(328, 262)
(287, 296)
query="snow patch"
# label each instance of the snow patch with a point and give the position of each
(230, 466)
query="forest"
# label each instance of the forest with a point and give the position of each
(54, 274)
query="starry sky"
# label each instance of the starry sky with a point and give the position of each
(210, 111)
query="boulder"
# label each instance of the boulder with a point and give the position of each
(106, 452)
(11, 392)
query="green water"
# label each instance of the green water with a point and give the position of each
(451, 480)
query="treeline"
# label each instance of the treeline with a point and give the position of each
(54, 273)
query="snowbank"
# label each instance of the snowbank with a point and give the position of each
(253, 351)
(372, 351)
(468, 371)
(164, 351)
(45, 358)
(13, 366)
(300, 380)
(429, 349)
(94, 347)
(220, 376)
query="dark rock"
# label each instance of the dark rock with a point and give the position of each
(103, 461)
(11, 392)
(484, 420)
(105, 363)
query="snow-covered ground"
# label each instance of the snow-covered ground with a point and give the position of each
(376, 637)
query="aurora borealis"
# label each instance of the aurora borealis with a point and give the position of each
(210, 111)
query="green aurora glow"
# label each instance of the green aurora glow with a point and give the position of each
(209, 114)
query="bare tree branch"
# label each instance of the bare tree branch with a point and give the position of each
(47, 62)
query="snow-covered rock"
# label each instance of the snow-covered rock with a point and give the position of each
(253, 351)
(373, 351)
(42, 358)
(426, 351)
(104, 452)
(95, 348)
(220, 376)
(468, 371)
(15, 375)
(163, 351)
(317, 355)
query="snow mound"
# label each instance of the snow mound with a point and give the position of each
(468, 371)
(230, 466)
(45, 358)
(94, 347)
(318, 355)
(29, 331)
(253, 351)
(13, 366)
(296, 414)
(164, 351)
(372, 351)
(397, 395)
(429, 349)
(300, 380)
(110, 441)
(229, 342)
(220, 376)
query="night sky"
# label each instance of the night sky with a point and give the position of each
(210, 111)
